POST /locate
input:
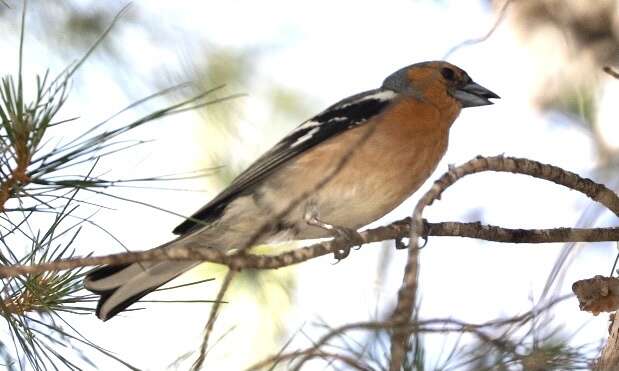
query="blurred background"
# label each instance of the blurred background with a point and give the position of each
(291, 60)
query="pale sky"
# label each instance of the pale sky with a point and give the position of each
(326, 51)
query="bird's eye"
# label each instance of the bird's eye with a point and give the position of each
(448, 73)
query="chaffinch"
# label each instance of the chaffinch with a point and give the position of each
(336, 172)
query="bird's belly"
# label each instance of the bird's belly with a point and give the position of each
(354, 205)
(352, 186)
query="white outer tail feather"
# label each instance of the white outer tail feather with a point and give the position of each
(136, 280)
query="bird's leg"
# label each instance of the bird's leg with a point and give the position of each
(311, 218)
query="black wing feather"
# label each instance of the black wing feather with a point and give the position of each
(341, 116)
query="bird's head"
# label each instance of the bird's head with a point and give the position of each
(437, 79)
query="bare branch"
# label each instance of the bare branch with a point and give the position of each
(399, 229)
(408, 290)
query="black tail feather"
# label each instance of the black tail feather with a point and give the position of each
(103, 272)
(120, 307)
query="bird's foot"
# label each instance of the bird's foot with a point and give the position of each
(349, 234)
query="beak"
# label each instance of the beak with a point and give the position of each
(473, 95)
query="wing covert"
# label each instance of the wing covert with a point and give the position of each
(344, 115)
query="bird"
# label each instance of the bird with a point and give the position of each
(338, 171)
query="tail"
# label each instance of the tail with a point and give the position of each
(121, 286)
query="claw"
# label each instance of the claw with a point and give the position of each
(399, 244)
(341, 254)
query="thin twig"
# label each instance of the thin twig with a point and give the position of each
(211, 319)
(485, 37)
(435, 325)
(408, 291)
(611, 71)
(349, 361)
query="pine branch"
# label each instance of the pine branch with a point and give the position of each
(35, 181)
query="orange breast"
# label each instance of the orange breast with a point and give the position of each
(385, 163)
